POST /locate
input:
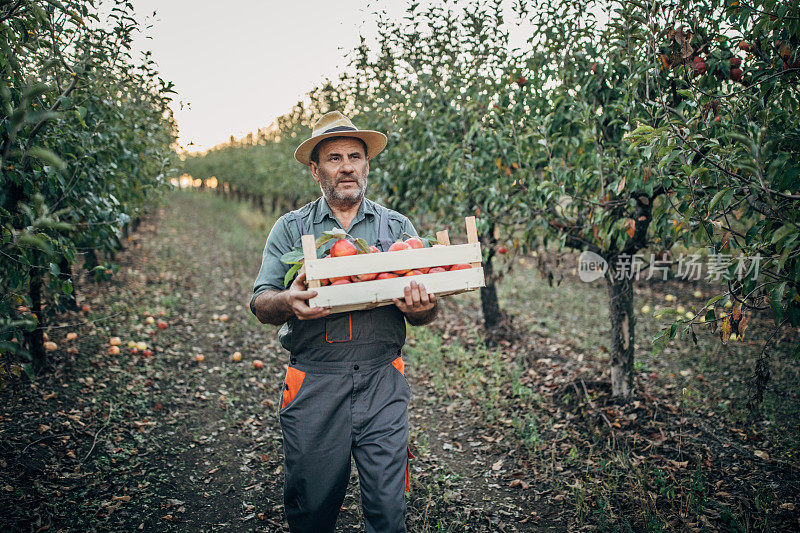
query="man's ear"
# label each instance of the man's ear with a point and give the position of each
(314, 170)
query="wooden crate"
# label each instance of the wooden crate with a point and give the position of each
(370, 294)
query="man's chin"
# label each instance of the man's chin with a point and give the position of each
(345, 198)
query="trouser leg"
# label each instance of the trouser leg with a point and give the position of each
(316, 427)
(380, 448)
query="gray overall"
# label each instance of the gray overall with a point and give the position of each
(345, 394)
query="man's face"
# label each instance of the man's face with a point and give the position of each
(342, 171)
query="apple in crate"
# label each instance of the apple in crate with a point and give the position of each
(396, 247)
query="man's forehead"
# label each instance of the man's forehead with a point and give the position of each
(348, 145)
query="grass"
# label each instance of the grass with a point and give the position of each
(625, 493)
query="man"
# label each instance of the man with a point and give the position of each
(345, 392)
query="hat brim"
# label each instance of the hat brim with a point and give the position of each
(375, 141)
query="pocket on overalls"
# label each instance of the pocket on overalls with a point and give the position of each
(400, 366)
(339, 328)
(408, 459)
(291, 385)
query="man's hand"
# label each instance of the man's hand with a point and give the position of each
(418, 306)
(276, 307)
(297, 297)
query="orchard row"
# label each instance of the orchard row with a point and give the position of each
(656, 124)
(86, 150)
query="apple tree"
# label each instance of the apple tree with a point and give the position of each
(730, 74)
(85, 148)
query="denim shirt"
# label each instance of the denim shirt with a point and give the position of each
(286, 236)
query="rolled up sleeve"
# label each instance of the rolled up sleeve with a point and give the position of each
(273, 270)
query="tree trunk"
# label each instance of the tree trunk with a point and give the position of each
(496, 322)
(35, 339)
(492, 315)
(90, 262)
(620, 294)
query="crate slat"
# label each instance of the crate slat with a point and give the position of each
(330, 267)
(369, 294)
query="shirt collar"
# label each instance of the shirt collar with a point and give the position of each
(323, 210)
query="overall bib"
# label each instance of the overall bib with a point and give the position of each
(345, 394)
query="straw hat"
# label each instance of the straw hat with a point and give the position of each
(335, 124)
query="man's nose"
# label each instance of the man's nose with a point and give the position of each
(347, 167)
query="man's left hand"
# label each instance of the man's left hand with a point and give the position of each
(418, 306)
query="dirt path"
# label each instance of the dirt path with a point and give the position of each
(167, 443)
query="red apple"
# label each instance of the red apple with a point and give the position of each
(415, 242)
(343, 247)
(363, 277)
(502, 249)
(413, 273)
(434, 270)
(374, 250)
(735, 62)
(387, 275)
(736, 74)
(342, 281)
(460, 266)
(397, 246)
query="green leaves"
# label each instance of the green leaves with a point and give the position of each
(776, 301)
(287, 279)
(362, 245)
(74, 175)
(47, 156)
(329, 235)
(293, 257)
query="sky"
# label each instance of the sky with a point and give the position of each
(239, 64)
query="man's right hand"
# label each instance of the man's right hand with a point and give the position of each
(297, 297)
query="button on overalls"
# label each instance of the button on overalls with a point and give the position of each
(345, 394)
